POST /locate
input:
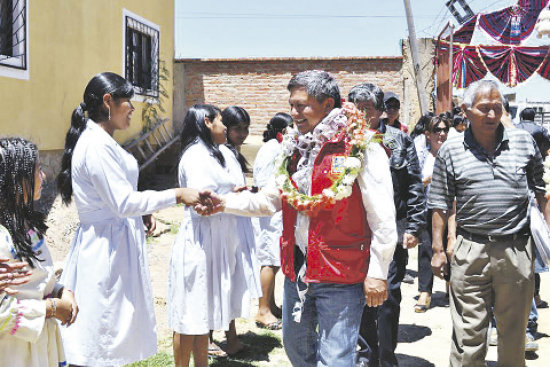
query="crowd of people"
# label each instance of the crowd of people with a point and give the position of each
(341, 192)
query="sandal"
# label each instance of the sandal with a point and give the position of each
(276, 325)
(423, 307)
(215, 351)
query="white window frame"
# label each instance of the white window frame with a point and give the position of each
(13, 66)
(155, 62)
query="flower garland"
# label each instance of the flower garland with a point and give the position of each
(546, 176)
(355, 129)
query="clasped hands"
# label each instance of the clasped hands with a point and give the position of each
(205, 202)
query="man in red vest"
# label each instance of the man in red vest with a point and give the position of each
(334, 186)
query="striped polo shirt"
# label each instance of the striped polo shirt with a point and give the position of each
(492, 193)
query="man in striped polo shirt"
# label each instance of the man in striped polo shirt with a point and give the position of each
(489, 171)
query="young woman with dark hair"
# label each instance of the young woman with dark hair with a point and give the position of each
(107, 265)
(436, 132)
(237, 121)
(29, 333)
(211, 281)
(269, 229)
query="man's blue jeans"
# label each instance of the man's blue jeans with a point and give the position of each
(326, 335)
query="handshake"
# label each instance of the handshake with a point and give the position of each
(205, 202)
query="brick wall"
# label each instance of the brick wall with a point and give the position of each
(259, 85)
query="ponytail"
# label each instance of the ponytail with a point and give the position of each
(64, 179)
(276, 125)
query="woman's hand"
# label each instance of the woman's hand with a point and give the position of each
(67, 309)
(150, 224)
(12, 273)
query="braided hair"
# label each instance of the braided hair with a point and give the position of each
(18, 161)
(98, 86)
(276, 125)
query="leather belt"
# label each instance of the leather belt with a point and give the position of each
(491, 238)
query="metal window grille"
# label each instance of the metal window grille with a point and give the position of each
(13, 33)
(142, 57)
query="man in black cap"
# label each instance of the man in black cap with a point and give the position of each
(392, 104)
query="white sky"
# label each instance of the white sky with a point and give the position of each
(318, 28)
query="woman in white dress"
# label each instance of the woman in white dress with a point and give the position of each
(29, 333)
(268, 231)
(209, 283)
(107, 265)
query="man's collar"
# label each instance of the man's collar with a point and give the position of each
(381, 126)
(470, 142)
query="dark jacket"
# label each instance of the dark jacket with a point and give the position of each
(539, 133)
(408, 189)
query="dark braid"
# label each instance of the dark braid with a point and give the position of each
(18, 160)
(101, 84)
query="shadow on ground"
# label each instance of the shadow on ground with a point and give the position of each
(439, 299)
(411, 361)
(412, 333)
(257, 348)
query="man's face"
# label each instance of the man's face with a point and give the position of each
(392, 110)
(306, 111)
(485, 113)
(371, 113)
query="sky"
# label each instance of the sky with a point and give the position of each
(319, 28)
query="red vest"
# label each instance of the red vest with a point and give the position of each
(338, 239)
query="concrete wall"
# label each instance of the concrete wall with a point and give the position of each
(70, 42)
(259, 85)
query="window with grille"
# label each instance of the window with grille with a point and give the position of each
(142, 57)
(13, 33)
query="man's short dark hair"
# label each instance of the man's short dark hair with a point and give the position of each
(527, 114)
(319, 84)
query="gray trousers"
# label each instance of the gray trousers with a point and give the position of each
(484, 274)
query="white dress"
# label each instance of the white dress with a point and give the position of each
(27, 338)
(212, 276)
(107, 265)
(268, 229)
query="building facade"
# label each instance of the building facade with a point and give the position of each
(50, 49)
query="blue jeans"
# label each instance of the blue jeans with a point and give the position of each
(327, 333)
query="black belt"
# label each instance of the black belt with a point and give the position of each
(491, 238)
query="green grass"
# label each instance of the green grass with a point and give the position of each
(262, 348)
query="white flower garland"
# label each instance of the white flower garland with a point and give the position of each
(348, 120)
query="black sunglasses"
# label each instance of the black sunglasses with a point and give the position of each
(440, 129)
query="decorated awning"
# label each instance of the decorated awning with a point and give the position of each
(509, 64)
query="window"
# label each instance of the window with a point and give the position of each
(142, 56)
(13, 34)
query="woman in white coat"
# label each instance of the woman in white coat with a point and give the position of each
(269, 229)
(209, 283)
(107, 265)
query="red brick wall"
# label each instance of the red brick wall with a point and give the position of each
(259, 85)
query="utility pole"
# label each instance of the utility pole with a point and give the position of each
(420, 85)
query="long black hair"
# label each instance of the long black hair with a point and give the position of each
(194, 128)
(98, 86)
(276, 125)
(233, 116)
(420, 126)
(18, 161)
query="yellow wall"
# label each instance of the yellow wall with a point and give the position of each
(70, 42)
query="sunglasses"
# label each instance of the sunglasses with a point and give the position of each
(440, 130)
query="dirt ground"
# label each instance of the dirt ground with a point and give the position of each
(424, 339)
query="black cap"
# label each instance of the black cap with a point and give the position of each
(390, 95)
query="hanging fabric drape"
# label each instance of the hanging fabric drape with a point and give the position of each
(513, 24)
(512, 65)
(464, 34)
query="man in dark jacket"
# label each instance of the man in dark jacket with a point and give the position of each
(539, 133)
(379, 325)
